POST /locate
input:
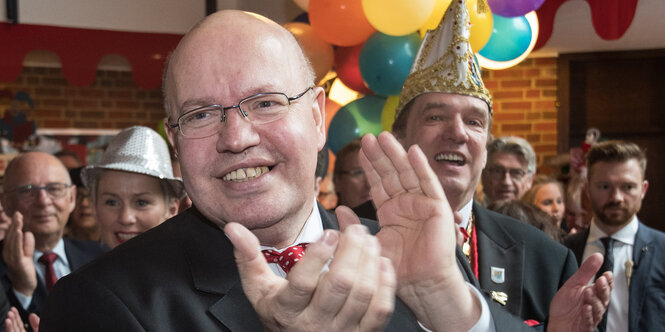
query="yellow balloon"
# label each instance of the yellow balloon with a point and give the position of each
(388, 113)
(435, 17)
(481, 25)
(397, 17)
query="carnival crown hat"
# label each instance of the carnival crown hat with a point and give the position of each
(445, 61)
(140, 150)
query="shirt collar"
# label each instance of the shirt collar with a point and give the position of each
(466, 213)
(59, 250)
(625, 235)
(311, 231)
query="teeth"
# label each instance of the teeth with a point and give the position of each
(126, 236)
(449, 157)
(245, 174)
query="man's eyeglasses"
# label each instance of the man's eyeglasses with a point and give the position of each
(354, 172)
(53, 190)
(261, 108)
(498, 172)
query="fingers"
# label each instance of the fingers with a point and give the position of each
(383, 302)
(346, 217)
(34, 322)
(13, 323)
(587, 270)
(351, 280)
(304, 276)
(427, 179)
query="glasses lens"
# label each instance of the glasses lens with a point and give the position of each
(201, 122)
(56, 190)
(264, 108)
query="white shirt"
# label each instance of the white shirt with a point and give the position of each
(624, 239)
(313, 230)
(60, 265)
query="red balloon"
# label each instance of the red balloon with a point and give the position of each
(348, 70)
(340, 22)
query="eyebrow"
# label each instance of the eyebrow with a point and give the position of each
(475, 110)
(197, 102)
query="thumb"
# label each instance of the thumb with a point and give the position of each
(346, 217)
(252, 266)
(28, 244)
(34, 322)
(587, 270)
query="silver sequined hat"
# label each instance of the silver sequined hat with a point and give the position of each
(140, 150)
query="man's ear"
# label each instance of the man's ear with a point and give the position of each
(645, 186)
(172, 134)
(319, 113)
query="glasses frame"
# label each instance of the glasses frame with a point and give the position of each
(494, 173)
(242, 112)
(39, 189)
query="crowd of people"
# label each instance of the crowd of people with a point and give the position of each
(240, 243)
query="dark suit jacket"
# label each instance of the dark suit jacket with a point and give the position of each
(646, 308)
(179, 276)
(78, 254)
(534, 266)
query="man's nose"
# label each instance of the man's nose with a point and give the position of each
(456, 130)
(237, 133)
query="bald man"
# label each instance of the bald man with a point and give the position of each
(38, 196)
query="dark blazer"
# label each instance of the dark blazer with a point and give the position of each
(646, 306)
(179, 276)
(534, 266)
(78, 254)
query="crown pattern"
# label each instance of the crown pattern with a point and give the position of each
(445, 61)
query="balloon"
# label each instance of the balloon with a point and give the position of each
(388, 113)
(357, 118)
(397, 17)
(340, 22)
(385, 61)
(510, 38)
(320, 53)
(481, 25)
(348, 71)
(435, 17)
(514, 8)
(303, 4)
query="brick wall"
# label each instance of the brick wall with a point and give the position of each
(113, 101)
(524, 102)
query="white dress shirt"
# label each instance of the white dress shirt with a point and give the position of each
(624, 239)
(313, 230)
(60, 265)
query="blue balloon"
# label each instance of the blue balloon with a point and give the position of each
(357, 118)
(510, 38)
(385, 61)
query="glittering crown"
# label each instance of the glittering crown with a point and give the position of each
(445, 61)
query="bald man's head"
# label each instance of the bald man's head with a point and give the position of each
(38, 186)
(227, 29)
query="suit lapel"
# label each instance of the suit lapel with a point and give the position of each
(500, 259)
(643, 253)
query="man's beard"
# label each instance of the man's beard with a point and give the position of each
(615, 217)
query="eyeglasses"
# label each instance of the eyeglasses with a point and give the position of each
(53, 190)
(355, 172)
(498, 172)
(260, 108)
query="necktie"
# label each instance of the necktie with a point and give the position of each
(287, 258)
(608, 265)
(47, 259)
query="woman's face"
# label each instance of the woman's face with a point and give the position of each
(128, 204)
(550, 199)
(82, 217)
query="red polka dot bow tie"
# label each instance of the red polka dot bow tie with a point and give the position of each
(287, 258)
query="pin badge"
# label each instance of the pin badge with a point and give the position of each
(498, 274)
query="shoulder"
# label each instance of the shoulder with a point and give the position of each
(651, 234)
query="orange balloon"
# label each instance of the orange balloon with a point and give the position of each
(319, 52)
(340, 22)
